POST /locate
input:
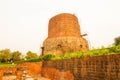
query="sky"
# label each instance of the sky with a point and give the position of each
(24, 23)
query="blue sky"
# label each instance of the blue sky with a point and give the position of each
(24, 23)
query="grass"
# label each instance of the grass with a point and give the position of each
(7, 65)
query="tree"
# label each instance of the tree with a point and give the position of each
(16, 55)
(5, 55)
(117, 41)
(0, 57)
(31, 55)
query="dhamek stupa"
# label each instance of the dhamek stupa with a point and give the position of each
(64, 36)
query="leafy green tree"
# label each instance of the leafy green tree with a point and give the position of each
(16, 55)
(31, 55)
(117, 40)
(0, 57)
(5, 55)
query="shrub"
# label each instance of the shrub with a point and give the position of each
(34, 60)
(48, 57)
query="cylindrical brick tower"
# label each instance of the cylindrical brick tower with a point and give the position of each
(64, 35)
(63, 25)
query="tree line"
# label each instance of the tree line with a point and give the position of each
(6, 56)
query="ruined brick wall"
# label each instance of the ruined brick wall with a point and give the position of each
(1, 73)
(64, 35)
(55, 74)
(90, 68)
(33, 68)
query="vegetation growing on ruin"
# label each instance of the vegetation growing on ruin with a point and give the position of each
(93, 52)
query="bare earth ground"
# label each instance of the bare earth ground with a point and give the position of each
(13, 77)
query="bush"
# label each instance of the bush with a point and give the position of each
(48, 57)
(34, 60)
(115, 49)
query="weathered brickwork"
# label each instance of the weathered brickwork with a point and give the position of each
(62, 45)
(64, 36)
(90, 68)
(63, 25)
(55, 74)
(21, 71)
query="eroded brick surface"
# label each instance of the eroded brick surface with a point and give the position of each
(22, 70)
(64, 36)
(32, 68)
(63, 25)
(90, 68)
(55, 74)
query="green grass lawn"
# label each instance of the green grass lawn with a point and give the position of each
(7, 65)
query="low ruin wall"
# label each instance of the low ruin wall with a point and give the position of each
(90, 68)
